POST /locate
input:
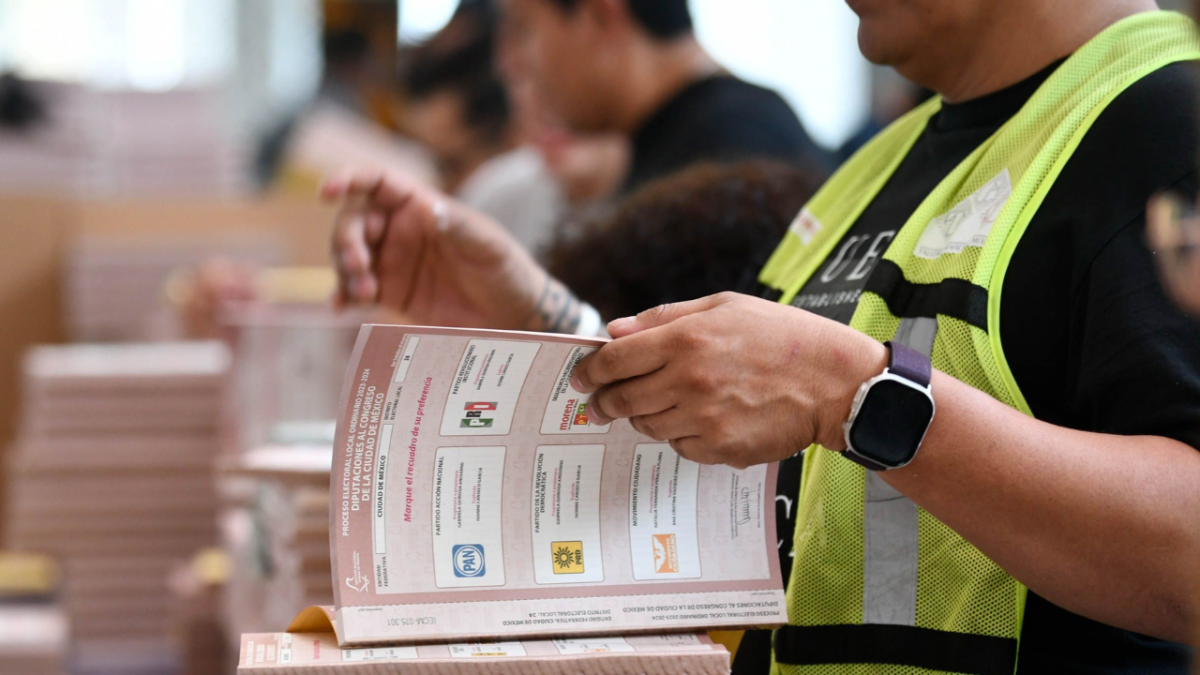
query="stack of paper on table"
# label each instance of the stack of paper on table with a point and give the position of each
(33, 628)
(281, 551)
(137, 146)
(289, 361)
(33, 640)
(112, 474)
(105, 142)
(472, 499)
(114, 285)
(690, 654)
(51, 156)
(196, 616)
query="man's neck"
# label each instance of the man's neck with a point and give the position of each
(1017, 44)
(657, 72)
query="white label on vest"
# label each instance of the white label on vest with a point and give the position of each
(967, 224)
(806, 226)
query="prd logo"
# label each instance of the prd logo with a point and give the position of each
(469, 561)
(568, 557)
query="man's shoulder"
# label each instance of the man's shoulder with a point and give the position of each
(1153, 122)
(724, 97)
(726, 118)
(1174, 82)
(1143, 142)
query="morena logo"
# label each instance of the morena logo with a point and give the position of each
(469, 561)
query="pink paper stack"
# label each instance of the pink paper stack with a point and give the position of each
(112, 473)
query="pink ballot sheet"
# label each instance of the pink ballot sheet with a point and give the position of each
(471, 498)
(649, 655)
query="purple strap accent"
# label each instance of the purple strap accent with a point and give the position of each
(909, 364)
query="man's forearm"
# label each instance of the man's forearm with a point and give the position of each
(1098, 524)
(559, 310)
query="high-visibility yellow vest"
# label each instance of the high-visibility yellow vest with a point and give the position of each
(878, 585)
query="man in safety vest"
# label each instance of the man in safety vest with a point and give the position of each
(1001, 406)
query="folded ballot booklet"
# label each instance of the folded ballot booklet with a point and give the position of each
(640, 655)
(472, 499)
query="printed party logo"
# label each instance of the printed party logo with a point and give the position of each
(474, 419)
(666, 554)
(469, 561)
(581, 418)
(574, 415)
(568, 557)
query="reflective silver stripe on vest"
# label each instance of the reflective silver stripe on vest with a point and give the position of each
(890, 525)
(917, 334)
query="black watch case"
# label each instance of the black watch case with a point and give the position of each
(888, 422)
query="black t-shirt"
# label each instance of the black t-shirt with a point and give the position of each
(1092, 340)
(721, 119)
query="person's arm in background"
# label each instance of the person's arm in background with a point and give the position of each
(436, 262)
(1098, 524)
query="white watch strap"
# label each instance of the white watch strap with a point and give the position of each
(590, 323)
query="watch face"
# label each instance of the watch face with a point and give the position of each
(891, 422)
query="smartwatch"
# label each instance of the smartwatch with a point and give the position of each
(891, 412)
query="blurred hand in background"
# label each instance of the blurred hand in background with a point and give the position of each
(420, 253)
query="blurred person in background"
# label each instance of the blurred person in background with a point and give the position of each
(1174, 230)
(700, 231)
(458, 106)
(1045, 510)
(350, 73)
(21, 108)
(634, 67)
(589, 167)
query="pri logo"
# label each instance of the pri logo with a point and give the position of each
(666, 554)
(474, 418)
(568, 557)
(469, 561)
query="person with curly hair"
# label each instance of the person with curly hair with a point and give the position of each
(704, 230)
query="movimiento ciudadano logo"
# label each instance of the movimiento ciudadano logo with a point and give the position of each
(469, 561)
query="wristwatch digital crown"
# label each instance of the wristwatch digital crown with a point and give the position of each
(891, 412)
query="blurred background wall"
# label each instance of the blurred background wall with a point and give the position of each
(185, 118)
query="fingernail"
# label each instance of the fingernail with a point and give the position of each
(619, 323)
(595, 418)
(576, 384)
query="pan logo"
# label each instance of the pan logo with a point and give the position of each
(474, 418)
(469, 561)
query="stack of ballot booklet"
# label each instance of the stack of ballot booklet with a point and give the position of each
(476, 513)
(112, 475)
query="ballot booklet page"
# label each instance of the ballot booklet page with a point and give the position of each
(471, 496)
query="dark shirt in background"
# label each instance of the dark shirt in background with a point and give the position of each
(721, 119)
